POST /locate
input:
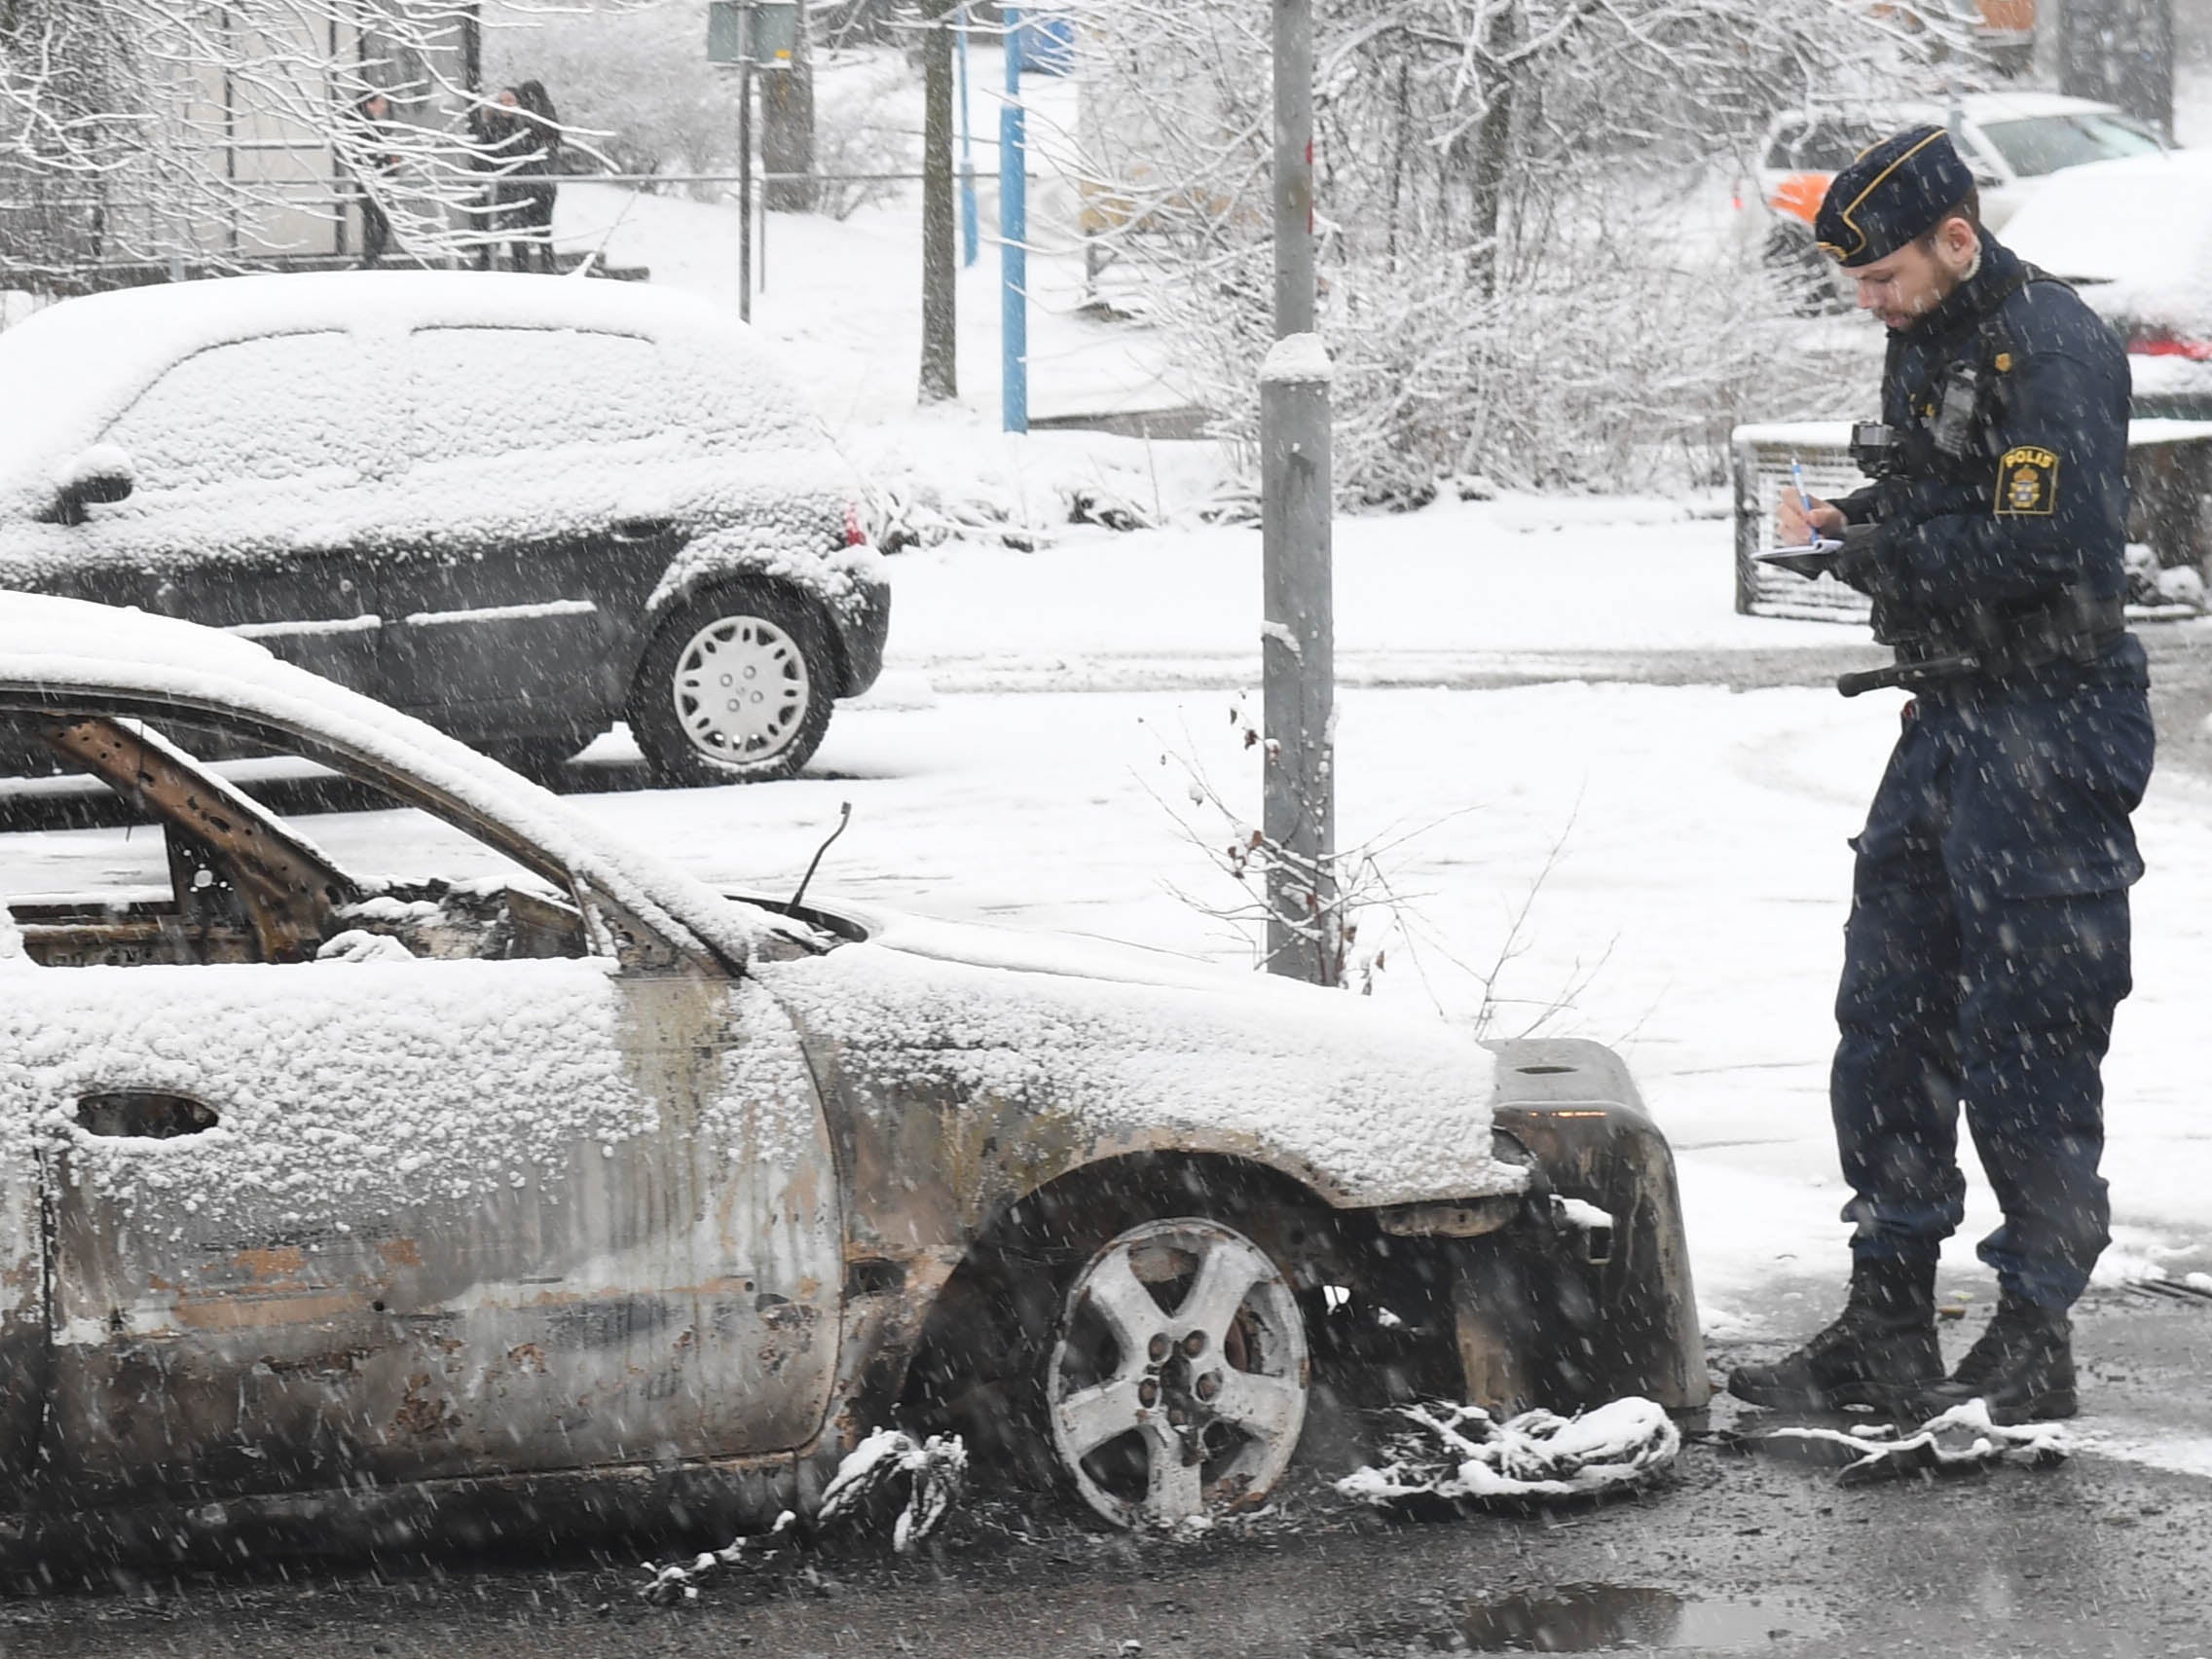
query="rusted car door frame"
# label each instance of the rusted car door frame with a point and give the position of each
(385, 1339)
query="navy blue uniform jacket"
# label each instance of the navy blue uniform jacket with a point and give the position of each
(2038, 501)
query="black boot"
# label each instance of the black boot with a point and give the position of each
(2023, 1367)
(1881, 1352)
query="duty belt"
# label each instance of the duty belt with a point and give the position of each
(2072, 629)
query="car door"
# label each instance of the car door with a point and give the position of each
(544, 472)
(256, 469)
(22, 1265)
(387, 1217)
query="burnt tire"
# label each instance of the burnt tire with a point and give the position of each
(736, 688)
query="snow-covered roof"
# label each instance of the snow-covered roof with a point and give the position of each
(71, 368)
(56, 646)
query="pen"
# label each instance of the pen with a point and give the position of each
(1804, 501)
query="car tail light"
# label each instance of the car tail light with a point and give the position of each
(855, 533)
(2164, 343)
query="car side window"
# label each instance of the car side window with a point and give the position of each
(484, 392)
(284, 408)
(149, 855)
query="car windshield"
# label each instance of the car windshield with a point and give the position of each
(2046, 143)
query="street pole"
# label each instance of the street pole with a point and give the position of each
(941, 375)
(971, 234)
(1297, 639)
(1014, 241)
(744, 178)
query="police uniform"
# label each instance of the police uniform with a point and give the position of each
(1987, 946)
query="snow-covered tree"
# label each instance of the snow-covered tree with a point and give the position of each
(1521, 276)
(213, 129)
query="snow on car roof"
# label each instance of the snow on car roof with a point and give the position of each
(52, 647)
(71, 367)
(2146, 220)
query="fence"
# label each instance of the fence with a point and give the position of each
(2169, 473)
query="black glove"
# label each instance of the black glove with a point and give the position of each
(1864, 564)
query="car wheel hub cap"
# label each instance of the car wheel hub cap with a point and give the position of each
(1179, 1381)
(740, 688)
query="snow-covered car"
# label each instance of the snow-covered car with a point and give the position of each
(520, 509)
(2013, 142)
(341, 1208)
(2135, 238)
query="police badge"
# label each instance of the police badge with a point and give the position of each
(2027, 482)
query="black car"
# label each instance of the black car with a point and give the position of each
(519, 508)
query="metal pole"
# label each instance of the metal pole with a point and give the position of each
(745, 176)
(941, 303)
(1014, 238)
(971, 234)
(1297, 639)
(1293, 182)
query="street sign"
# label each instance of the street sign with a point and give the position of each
(762, 32)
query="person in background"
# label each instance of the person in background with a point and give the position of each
(495, 136)
(379, 164)
(529, 218)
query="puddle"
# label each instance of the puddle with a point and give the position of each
(1582, 1618)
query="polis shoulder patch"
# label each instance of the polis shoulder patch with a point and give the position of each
(2027, 481)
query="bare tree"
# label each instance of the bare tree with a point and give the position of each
(1512, 281)
(219, 130)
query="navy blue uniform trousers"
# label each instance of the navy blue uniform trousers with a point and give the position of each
(1986, 951)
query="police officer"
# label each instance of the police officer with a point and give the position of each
(1988, 939)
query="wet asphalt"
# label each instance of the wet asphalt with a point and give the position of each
(1730, 1552)
(2105, 1555)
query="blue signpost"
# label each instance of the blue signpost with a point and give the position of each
(1013, 235)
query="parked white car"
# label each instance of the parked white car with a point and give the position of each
(2135, 238)
(2015, 142)
(342, 1208)
(519, 508)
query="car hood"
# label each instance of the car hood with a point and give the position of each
(1117, 1050)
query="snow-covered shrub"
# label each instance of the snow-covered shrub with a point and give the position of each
(1526, 268)
(861, 127)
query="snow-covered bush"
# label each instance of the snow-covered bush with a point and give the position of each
(1526, 268)
(863, 127)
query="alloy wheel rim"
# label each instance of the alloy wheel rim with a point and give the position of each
(1179, 1385)
(740, 690)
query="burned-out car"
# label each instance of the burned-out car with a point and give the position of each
(521, 509)
(345, 1209)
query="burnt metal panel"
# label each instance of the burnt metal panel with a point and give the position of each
(663, 1285)
(22, 1296)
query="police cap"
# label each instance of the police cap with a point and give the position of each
(1898, 189)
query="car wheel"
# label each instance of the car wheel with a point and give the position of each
(1178, 1382)
(734, 688)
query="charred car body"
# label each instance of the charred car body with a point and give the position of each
(519, 510)
(348, 1211)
